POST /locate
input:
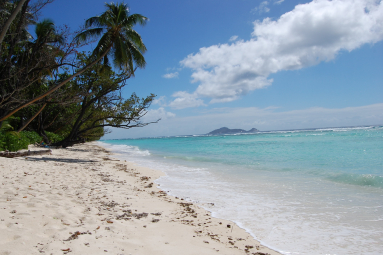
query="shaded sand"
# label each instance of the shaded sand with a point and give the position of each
(82, 201)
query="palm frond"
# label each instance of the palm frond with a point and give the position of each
(107, 19)
(137, 57)
(137, 19)
(121, 54)
(135, 38)
(123, 12)
(103, 45)
(88, 34)
(44, 27)
(120, 42)
(94, 21)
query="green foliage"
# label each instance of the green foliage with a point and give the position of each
(33, 137)
(118, 38)
(13, 141)
(74, 105)
(9, 139)
(54, 138)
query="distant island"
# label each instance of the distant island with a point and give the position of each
(228, 131)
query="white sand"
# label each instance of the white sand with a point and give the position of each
(79, 201)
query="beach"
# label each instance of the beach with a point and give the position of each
(82, 200)
(307, 192)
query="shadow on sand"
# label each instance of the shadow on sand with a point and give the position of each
(63, 160)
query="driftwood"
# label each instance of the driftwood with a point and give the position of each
(23, 153)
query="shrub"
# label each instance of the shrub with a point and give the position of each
(54, 138)
(13, 141)
(33, 137)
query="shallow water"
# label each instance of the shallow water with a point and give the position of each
(299, 192)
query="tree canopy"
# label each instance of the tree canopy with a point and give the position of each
(50, 87)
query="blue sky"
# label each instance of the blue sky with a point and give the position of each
(243, 63)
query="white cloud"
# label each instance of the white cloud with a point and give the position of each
(279, 2)
(270, 118)
(160, 101)
(185, 100)
(261, 8)
(160, 113)
(170, 75)
(309, 34)
(233, 38)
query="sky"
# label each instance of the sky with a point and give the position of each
(271, 65)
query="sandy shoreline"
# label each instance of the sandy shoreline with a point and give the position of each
(82, 201)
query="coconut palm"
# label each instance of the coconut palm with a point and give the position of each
(46, 33)
(44, 45)
(118, 40)
(40, 53)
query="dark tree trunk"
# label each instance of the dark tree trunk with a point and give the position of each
(56, 87)
(18, 30)
(41, 130)
(24, 125)
(73, 137)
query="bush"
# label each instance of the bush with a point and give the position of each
(54, 138)
(13, 141)
(33, 137)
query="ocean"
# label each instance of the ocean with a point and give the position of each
(311, 192)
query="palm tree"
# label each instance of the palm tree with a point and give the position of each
(46, 33)
(118, 40)
(47, 36)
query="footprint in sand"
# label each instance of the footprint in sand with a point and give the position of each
(16, 237)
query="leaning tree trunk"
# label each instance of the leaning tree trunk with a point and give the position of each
(73, 137)
(32, 118)
(50, 91)
(10, 20)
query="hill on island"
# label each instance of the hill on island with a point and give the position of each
(228, 131)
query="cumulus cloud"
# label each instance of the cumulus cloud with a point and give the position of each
(233, 38)
(170, 75)
(160, 113)
(307, 35)
(185, 100)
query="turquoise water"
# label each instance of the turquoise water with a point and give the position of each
(299, 192)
